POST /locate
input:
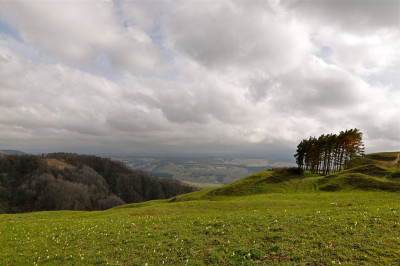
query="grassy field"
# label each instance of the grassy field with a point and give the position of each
(351, 217)
(320, 227)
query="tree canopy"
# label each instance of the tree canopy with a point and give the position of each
(331, 152)
(65, 181)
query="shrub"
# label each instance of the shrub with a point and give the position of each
(289, 171)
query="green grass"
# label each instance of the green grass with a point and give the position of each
(264, 182)
(383, 156)
(388, 159)
(371, 170)
(276, 228)
(395, 176)
(265, 218)
(364, 177)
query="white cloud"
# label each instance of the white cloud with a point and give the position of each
(80, 31)
(220, 77)
(360, 17)
(362, 36)
(226, 34)
(361, 54)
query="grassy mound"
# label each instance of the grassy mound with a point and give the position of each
(364, 177)
(383, 156)
(371, 170)
(387, 159)
(395, 176)
(266, 181)
(357, 181)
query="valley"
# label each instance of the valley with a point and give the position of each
(202, 172)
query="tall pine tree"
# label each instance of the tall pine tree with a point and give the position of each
(330, 153)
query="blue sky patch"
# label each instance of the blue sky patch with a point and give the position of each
(8, 30)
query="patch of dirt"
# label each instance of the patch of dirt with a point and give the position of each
(58, 164)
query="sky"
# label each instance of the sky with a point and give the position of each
(204, 78)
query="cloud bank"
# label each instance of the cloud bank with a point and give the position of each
(200, 78)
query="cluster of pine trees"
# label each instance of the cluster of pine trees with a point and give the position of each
(330, 153)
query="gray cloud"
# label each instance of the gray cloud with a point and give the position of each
(354, 15)
(231, 34)
(224, 77)
(80, 31)
(362, 36)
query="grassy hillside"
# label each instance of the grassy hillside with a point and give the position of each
(384, 156)
(364, 177)
(351, 217)
(276, 228)
(388, 159)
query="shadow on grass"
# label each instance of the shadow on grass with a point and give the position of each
(354, 181)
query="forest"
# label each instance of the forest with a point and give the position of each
(330, 153)
(65, 181)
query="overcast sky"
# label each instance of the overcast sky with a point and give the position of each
(197, 77)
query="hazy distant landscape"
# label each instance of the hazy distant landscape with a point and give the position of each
(202, 171)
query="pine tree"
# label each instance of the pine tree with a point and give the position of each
(331, 152)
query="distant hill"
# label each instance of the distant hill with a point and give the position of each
(63, 181)
(16, 152)
(211, 170)
(387, 159)
(369, 174)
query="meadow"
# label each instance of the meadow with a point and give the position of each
(360, 227)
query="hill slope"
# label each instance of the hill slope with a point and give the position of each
(15, 152)
(388, 159)
(348, 227)
(64, 181)
(366, 176)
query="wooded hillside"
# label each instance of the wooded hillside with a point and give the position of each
(63, 181)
